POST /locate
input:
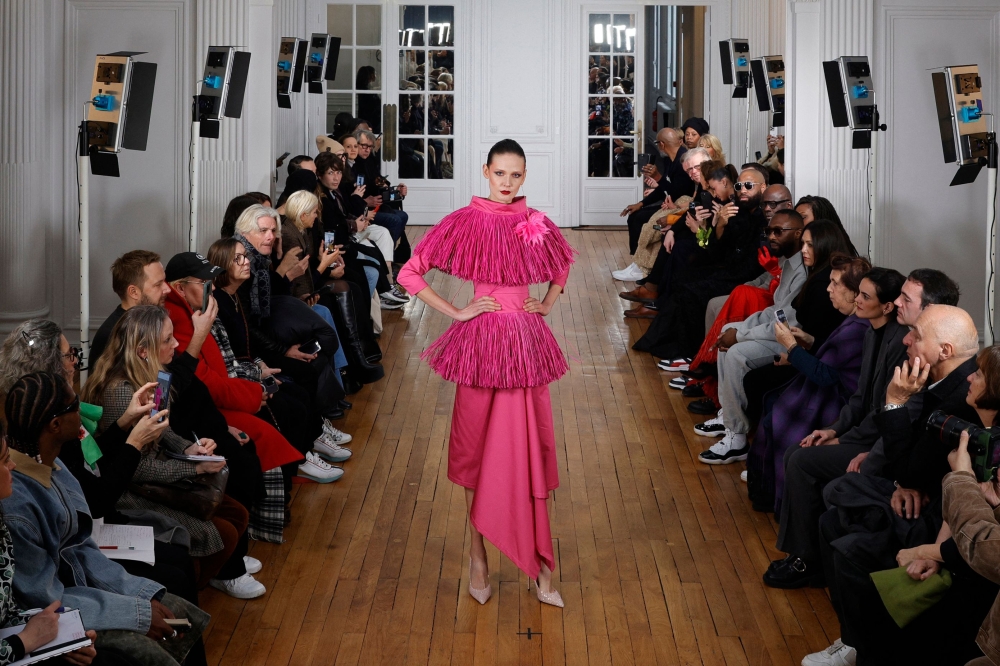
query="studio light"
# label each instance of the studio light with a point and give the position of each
(223, 87)
(321, 64)
(115, 117)
(769, 84)
(735, 58)
(291, 65)
(969, 142)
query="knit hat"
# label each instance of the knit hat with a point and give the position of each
(699, 125)
(326, 144)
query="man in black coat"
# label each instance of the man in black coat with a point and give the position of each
(873, 516)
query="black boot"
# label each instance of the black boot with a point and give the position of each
(351, 385)
(363, 371)
(372, 351)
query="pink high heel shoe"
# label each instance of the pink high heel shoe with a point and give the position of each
(481, 595)
(552, 598)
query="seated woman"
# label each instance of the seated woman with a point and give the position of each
(50, 527)
(104, 462)
(948, 632)
(141, 344)
(825, 381)
(813, 208)
(43, 627)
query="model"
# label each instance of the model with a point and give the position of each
(502, 356)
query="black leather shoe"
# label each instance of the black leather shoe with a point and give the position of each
(334, 414)
(343, 404)
(693, 391)
(703, 406)
(793, 573)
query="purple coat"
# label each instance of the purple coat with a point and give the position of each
(812, 400)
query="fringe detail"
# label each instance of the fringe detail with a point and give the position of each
(476, 245)
(498, 350)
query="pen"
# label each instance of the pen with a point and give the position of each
(197, 440)
(116, 547)
(36, 611)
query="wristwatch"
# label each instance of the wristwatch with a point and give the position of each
(889, 406)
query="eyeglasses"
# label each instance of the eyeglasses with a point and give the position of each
(201, 282)
(366, 145)
(775, 204)
(777, 231)
(71, 407)
(241, 259)
(747, 185)
(75, 354)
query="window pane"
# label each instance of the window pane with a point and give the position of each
(344, 78)
(600, 42)
(623, 115)
(623, 162)
(598, 157)
(598, 116)
(411, 70)
(597, 76)
(369, 68)
(411, 114)
(439, 159)
(370, 110)
(411, 158)
(623, 33)
(411, 25)
(369, 25)
(337, 103)
(340, 23)
(441, 115)
(624, 74)
(440, 25)
(442, 70)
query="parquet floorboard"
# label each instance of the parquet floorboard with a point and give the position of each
(659, 557)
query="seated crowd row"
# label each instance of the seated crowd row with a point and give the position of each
(822, 372)
(261, 341)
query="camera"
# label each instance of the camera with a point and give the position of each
(393, 194)
(984, 444)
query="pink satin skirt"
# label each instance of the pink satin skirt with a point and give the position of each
(503, 446)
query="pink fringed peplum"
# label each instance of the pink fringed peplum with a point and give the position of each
(502, 439)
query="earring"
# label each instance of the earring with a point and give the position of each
(38, 458)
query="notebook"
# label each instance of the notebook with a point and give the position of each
(194, 459)
(125, 542)
(71, 636)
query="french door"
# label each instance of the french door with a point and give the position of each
(611, 66)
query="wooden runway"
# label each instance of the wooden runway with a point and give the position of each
(659, 557)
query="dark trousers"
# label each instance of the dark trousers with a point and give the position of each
(393, 220)
(635, 223)
(231, 519)
(174, 570)
(807, 471)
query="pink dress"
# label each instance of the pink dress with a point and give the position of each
(502, 439)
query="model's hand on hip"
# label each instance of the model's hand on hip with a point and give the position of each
(477, 307)
(535, 305)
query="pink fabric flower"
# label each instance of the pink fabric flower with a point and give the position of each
(533, 228)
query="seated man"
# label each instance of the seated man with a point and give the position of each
(376, 188)
(873, 516)
(138, 279)
(846, 445)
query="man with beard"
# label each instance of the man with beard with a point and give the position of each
(139, 279)
(730, 259)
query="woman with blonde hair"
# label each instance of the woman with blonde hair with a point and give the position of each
(141, 345)
(711, 143)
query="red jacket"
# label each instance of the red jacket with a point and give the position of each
(237, 399)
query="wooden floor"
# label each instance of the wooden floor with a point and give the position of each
(659, 557)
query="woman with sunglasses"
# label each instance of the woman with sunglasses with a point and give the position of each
(58, 561)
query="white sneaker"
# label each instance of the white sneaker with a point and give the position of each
(388, 303)
(731, 448)
(244, 587)
(338, 437)
(318, 470)
(395, 294)
(629, 274)
(837, 654)
(329, 451)
(743, 476)
(252, 564)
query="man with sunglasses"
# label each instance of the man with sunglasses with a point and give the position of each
(750, 344)
(391, 216)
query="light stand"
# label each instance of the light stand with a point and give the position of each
(991, 249)
(735, 60)
(83, 189)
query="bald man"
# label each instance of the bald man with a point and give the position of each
(873, 516)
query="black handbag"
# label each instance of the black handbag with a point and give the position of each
(198, 496)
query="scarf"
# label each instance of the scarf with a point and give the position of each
(90, 416)
(235, 369)
(260, 279)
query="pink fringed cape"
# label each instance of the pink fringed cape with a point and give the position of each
(502, 248)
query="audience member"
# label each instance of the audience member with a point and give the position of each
(50, 528)
(693, 129)
(818, 208)
(711, 143)
(301, 162)
(137, 278)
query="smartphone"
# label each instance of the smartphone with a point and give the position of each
(311, 347)
(205, 295)
(644, 159)
(328, 240)
(774, 132)
(658, 227)
(360, 181)
(705, 200)
(758, 155)
(161, 394)
(270, 385)
(780, 314)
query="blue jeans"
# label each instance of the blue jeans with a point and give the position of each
(371, 274)
(339, 359)
(394, 221)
